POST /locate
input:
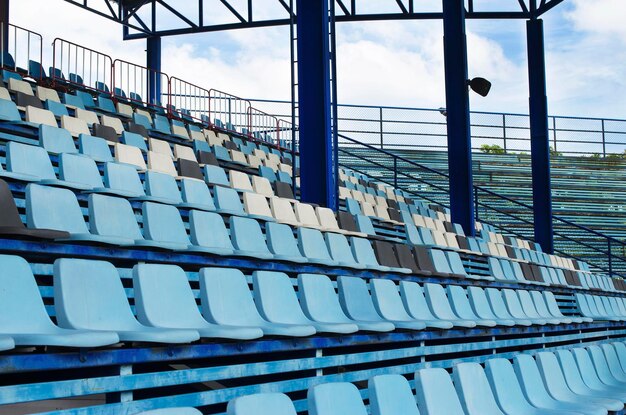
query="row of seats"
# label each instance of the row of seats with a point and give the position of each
(92, 309)
(580, 381)
(601, 307)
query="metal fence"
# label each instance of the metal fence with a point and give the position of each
(420, 128)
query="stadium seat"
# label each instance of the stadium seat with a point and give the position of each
(216, 175)
(338, 398)
(130, 155)
(226, 299)
(440, 306)
(240, 181)
(386, 256)
(364, 254)
(80, 169)
(23, 315)
(196, 195)
(90, 117)
(282, 243)
(247, 238)
(435, 393)
(474, 391)
(9, 111)
(94, 147)
(18, 85)
(105, 104)
(320, 303)
(56, 140)
(313, 247)
(108, 133)
(391, 395)
(73, 101)
(282, 211)
(113, 122)
(501, 310)
(90, 295)
(261, 404)
(227, 201)
(278, 303)
(75, 126)
(553, 308)
(462, 307)
(132, 139)
(123, 180)
(56, 108)
(208, 232)
(569, 360)
(161, 163)
(534, 308)
(190, 169)
(256, 206)
(161, 188)
(610, 377)
(340, 250)
(163, 298)
(480, 304)
(184, 152)
(514, 306)
(284, 190)
(37, 116)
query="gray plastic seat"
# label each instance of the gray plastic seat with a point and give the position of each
(440, 306)
(227, 300)
(357, 303)
(514, 306)
(163, 298)
(474, 391)
(389, 305)
(416, 305)
(24, 320)
(558, 387)
(391, 395)
(339, 398)
(435, 393)
(541, 304)
(480, 305)
(172, 411)
(89, 295)
(535, 390)
(282, 243)
(261, 404)
(530, 309)
(494, 296)
(277, 302)
(320, 303)
(508, 391)
(247, 238)
(461, 306)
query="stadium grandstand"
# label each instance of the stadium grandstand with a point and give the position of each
(169, 248)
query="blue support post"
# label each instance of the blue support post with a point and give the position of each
(539, 136)
(317, 179)
(4, 18)
(154, 64)
(458, 116)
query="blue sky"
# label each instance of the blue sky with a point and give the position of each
(387, 63)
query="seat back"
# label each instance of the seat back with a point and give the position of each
(31, 160)
(129, 155)
(196, 192)
(161, 163)
(414, 301)
(529, 377)
(335, 399)
(319, 300)
(240, 181)
(505, 386)
(112, 216)
(305, 214)
(356, 300)
(94, 147)
(81, 169)
(53, 208)
(391, 395)
(513, 304)
(528, 306)
(339, 247)
(282, 210)
(163, 186)
(474, 391)
(276, 299)
(479, 303)
(260, 404)
(439, 302)
(227, 199)
(435, 393)
(387, 300)
(123, 177)
(460, 303)
(9, 111)
(312, 245)
(281, 241)
(246, 235)
(208, 230)
(256, 204)
(133, 139)
(363, 251)
(162, 223)
(215, 175)
(56, 140)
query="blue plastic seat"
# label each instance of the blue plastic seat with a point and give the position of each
(499, 307)
(474, 391)
(56, 140)
(416, 305)
(320, 303)
(284, 177)
(209, 232)
(56, 108)
(216, 175)
(171, 411)
(268, 173)
(536, 393)
(163, 225)
(226, 299)
(142, 120)
(606, 375)
(163, 298)
(531, 310)
(282, 243)
(339, 398)
(613, 362)
(313, 247)
(557, 385)
(389, 305)
(541, 306)
(508, 392)
(579, 358)
(514, 307)
(435, 393)
(161, 188)
(391, 395)
(123, 179)
(341, 251)
(77, 168)
(247, 238)
(553, 308)
(24, 320)
(105, 104)
(462, 307)
(9, 111)
(221, 153)
(439, 305)
(227, 201)
(278, 303)
(94, 147)
(73, 101)
(364, 254)
(480, 304)
(196, 195)
(439, 260)
(261, 404)
(85, 97)
(365, 225)
(133, 139)
(161, 124)
(33, 164)
(90, 295)
(57, 209)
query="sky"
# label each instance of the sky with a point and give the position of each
(382, 63)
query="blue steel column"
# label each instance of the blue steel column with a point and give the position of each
(539, 136)
(458, 115)
(4, 17)
(317, 181)
(154, 63)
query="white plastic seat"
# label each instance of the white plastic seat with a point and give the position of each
(40, 116)
(17, 85)
(184, 152)
(162, 163)
(75, 126)
(180, 131)
(112, 122)
(256, 206)
(305, 214)
(240, 181)
(160, 146)
(89, 117)
(130, 155)
(262, 186)
(44, 94)
(282, 211)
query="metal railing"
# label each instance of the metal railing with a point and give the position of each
(86, 68)
(18, 46)
(602, 252)
(138, 83)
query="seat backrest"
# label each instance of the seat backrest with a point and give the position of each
(226, 198)
(9, 111)
(281, 241)
(261, 404)
(184, 152)
(319, 300)
(18, 85)
(262, 186)
(44, 94)
(335, 399)
(162, 124)
(513, 304)
(208, 230)
(216, 175)
(226, 298)
(21, 306)
(56, 140)
(540, 304)
(435, 393)
(53, 208)
(530, 378)
(474, 391)
(505, 386)
(496, 301)
(282, 210)
(162, 185)
(31, 160)
(460, 303)
(414, 301)
(356, 300)
(114, 123)
(256, 204)
(363, 251)
(163, 223)
(123, 177)
(160, 146)
(387, 299)
(276, 299)
(81, 169)
(240, 181)
(305, 214)
(438, 302)
(479, 303)
(90, 295)
(552, 304)
(440, 261)
(326, 218)
(94, 147)
(456, 265)
(112, 216)
(246, 235)
(40, 116)
(196, 192)
(129, 155)
(312, 245)
(161, 163)
(89, 117)
(391, 395)
(385, 254)
(339, 247)
(163, 297)
(133, 139)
